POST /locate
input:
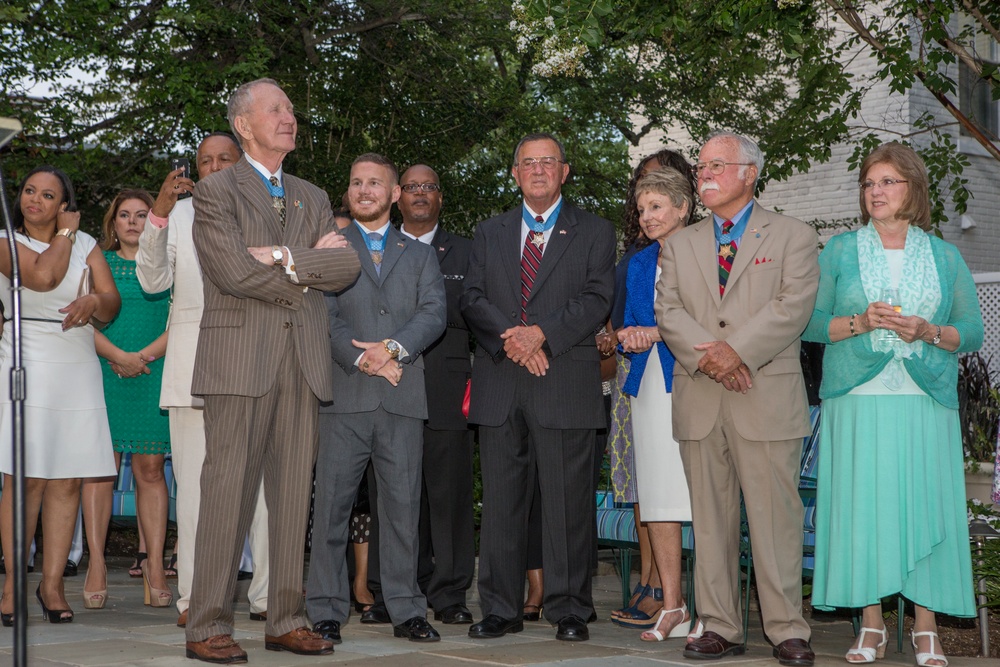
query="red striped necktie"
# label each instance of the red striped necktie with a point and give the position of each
(727, 252)
(531, 259)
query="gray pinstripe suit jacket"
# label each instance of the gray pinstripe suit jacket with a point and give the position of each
(406, 302)
(251, 307)
(570, 300)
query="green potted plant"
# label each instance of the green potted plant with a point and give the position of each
(979, 414)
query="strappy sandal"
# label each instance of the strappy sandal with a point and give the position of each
(924, 659)
(136, 570)
(865, 654)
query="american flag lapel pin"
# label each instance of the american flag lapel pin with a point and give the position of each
(562, 231)
(298, 203)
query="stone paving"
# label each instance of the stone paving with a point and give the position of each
(127, 633)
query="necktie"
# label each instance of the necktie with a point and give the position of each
(727, 252)
(375, 247)
(531, 259)
(278, 201)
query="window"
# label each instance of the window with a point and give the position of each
(975, 97)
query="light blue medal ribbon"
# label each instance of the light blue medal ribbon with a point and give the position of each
(737, 229)
(539, 228)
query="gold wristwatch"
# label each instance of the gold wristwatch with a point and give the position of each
(392, 348)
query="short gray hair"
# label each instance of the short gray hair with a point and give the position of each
(539, 136)
(671, 183)
(240, 101)
(747, 148)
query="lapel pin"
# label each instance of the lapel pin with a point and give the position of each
(562, 231)
(441, 248)
(400, 245)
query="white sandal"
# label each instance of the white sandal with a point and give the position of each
(699, 630)
(679, 630)
(867, 653)
(923, 659)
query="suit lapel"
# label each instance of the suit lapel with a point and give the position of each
(395, 244)
(560, 238)
(442, 244)
(753, 237)
(293, 214)
(706, 255)
(253, 190)
(511, 247)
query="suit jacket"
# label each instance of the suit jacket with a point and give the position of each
(769, 298)
(570, 300)
(251, 307)
(406, 302)
(447, 361)
(166, 259)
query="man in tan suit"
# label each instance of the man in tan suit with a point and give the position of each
(736, 291)
(166, 260)
(268, 247)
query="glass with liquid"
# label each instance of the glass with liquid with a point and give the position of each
(890, 297)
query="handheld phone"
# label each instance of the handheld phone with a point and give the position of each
(177, 163)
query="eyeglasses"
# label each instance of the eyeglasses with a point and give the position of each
(717, 166)
(420, 187)
(546, 161)
(883, 184)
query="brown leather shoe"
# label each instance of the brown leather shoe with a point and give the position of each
(795, 653)
(182, 620)
(711, 646)
(301, 640)
(220, 649)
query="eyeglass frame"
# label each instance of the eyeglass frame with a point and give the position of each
(530, 162)
(702, 166)
(882, 183)
(412, 188)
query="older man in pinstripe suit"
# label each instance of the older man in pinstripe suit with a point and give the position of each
(268, 246)
(539, 285)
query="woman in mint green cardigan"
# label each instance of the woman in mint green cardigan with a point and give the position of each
(891, 514)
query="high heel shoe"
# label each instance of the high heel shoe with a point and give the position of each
(53, 615)
(867, 653)
(95, 599)
(7, 620)
(679, 630)
(531, 615)
(923, 659)
(155, 597)
(638, 593)
(638, 619)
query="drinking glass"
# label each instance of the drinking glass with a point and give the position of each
(890, 297)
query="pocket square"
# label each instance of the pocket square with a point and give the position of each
(762, 260)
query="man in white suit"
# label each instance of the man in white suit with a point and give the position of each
(167, 260)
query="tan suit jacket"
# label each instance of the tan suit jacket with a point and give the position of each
(769, 299)
(250, 307)
(166, 259)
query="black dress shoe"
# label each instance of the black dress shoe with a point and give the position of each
(71, 569)
(592, 617)
(795, 653)
(377, 613)
(711, 646)
(244, 575)
(456, 614)
(572, 629)
(493, 626)
(417, 629)
(328, 630)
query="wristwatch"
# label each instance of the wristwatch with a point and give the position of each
(937, 337)
(71, 235)
(392, 348)
(277, 255)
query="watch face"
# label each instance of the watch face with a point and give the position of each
(277, 256)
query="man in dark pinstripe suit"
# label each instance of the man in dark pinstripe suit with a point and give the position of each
(268, 246)
(539, 285)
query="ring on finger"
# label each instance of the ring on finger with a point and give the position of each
(732, 378)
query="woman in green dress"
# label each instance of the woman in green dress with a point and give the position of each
(890, 508)
(131, 348)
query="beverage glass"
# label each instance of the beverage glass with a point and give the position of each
(890, 297)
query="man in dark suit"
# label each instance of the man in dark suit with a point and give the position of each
(539, 285)
(378, 328)
(267, 245)
(447, 530)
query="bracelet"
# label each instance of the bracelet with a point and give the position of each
(853, 332)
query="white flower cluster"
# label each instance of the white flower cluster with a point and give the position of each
(559, 54)
(785, 4)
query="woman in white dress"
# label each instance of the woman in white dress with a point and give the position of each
(65, 421)
(665, 200)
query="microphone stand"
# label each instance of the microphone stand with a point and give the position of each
(9, 128)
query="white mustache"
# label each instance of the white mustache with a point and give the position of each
(711, 185)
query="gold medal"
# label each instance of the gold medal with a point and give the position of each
(726, 251)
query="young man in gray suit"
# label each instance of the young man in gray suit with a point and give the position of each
(378, 328)
(539, 285)
(267, 245)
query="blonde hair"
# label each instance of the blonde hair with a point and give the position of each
(916, 206)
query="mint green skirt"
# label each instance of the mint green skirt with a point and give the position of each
(890, 505)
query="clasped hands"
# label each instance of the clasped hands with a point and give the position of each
(721, 363)
(131, 364)
(376, 361)
(330, 240)
(880, 315)
(523, 346)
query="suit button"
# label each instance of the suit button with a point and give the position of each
(513, 314)
(381, 311)
(287, 325)
(722, 324)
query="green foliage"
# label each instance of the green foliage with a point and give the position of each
(978, 407)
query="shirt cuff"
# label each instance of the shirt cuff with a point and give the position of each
(156, 220)
(290, 266)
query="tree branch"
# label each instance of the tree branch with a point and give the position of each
(983, 21)
(401, 15)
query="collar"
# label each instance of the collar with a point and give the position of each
(739, 222)
(261, 169)
(365, 231)
(423, 238)
(545, 215)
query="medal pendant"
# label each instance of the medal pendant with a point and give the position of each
(538, 239)
(726, 251)
(376, 257)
